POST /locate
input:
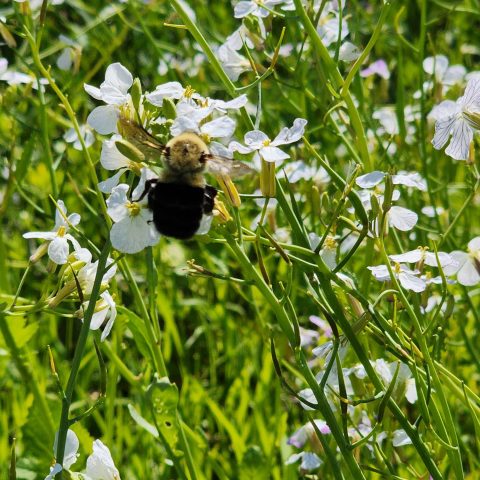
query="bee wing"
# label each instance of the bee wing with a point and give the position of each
(138, 136)
(224, 166)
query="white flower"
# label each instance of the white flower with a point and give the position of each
(300, 437)
(232, 62)
(239, 37)
(16, 78)
(100, 465)
(310, 461)
(256, 141)
(133, 229)
(437, 67)
(348, 52)
(400, 438)
(329, 25)
(299, 170)
(173, 90)
(71, 136)
(244, 8)
(468, 266)
(422, 254)
(114, 92)
(70, 454)
(58, 249)
(408, 278)
(458, 120)
(105, 306)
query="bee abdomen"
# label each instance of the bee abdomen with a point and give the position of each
(177, 208)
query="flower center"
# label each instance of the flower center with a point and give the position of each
(397, 268)
(61, 231)
(206, 138)
(189, 91)
(330, 243)
(134, 209)
(266, 142)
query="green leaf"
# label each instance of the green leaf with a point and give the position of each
(254, 465)
(139, 420)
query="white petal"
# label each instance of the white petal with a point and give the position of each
(103, 119)
(238, 147)
(111, 158)
(400, 438)
(255, 139)
(273, 154)
(370, 180)
(444, 259)
(98, 317)
(71, 448)
(348, 52)
(133, 234)
(60, 214)
(474, 244)
(57, 468)
(414, 180)
(117, 203)
(205, 225)
(471, 97)
(468, 274)
(410, 282)
(411, 392)
(42, 235)
(119, 77)
(65, 60)
(380, 272)
(113, 315)
(184, 124)
(145, 174)
(412, 256)
(290, 135)
(462, 136)
(110, 183)
(242, 9)
(83, 255)
(445, 109)
(454, 74)
(221, 127)
(93, 91)
(310, 461)
(167, 90)
(234, 104)
(437, 64)
(459, 258)
(100, 463)
(58, 250)
(402, 218)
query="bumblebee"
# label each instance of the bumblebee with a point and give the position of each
(180, 199)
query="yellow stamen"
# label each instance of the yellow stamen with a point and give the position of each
(134, 209)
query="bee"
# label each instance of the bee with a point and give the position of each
(180, 199)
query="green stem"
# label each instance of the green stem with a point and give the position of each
(77, 358)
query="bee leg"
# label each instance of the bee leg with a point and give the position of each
(148, 187)
(209, 198)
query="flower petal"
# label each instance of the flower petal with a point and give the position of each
(370, 180)
(58, 250)
(402, 218)
(117, 203)
(468, 274)
(273, 154)
(110, 157)
(133, 234)
(290, 135)
(462, 136)
(119, 77)
(411, 282)
(103, 119)
(221, 127)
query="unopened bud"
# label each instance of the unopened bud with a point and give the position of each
(169, 109)
(129, 150)
(387, 198)
(136, 93)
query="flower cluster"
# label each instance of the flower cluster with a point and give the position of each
(79, 277)
(170, 109)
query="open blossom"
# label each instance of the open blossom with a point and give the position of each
(232, 62)
(258, 142)
(70, 454)
(467, 267)
(114, 92)
(71, 136)
(310, 461)
(458, 120)
(422, 254)
(438, 67)
(133, 229)
(173, 90)
(59, 238)
(408, 279)
(100, 465)
(104, 308)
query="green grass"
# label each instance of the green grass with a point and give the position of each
(201, 374)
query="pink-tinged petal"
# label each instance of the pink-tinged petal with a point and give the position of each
(58, 250)
(402, 218)
(370, 180)
(93, 91)
(379, 68)
(410, 282)
(103, 119)
(273, 154)
(118, 77)
(292, 134)
(462, 136)
(468, 274)
(221, 127)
